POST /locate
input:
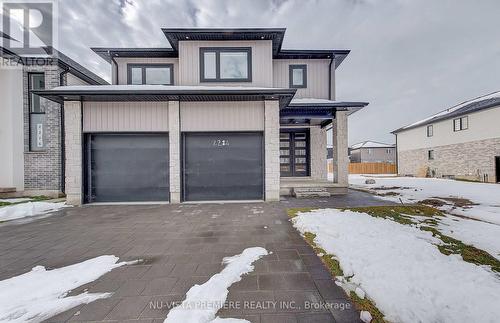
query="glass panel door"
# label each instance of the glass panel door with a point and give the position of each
(294, 153)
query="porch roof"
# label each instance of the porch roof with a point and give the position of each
(166, 93)
(311, 111)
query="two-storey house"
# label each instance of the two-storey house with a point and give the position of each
(31, 136)
(224, 114)
(461, 142)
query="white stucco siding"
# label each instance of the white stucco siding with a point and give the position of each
(482, 125)
(11, 129)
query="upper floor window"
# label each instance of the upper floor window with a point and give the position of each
(298, 76)
(461, 124)
(153, 74)
(430, 131)
(388, 151)
(36, 81)
(430, 154)
(226, 64)
(369, 151)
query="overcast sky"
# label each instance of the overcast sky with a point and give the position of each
(409, 59)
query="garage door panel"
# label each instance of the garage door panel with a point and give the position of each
(223, 166)
(128, 168)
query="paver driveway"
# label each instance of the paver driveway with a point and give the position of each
(183, 245)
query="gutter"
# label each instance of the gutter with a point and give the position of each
(330, 78)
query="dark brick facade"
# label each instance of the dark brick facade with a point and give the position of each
(42, 169)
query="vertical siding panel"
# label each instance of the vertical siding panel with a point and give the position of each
(122, 65)
(317, 76)
(222, 116)
(125, 116)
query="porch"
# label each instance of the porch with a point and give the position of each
(291, 185)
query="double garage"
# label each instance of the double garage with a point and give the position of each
(127, 151)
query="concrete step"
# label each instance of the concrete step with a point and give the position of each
(310, 192)
(7, 189)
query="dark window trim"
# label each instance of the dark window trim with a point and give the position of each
(430, 133)
(217, 51)
(461, 124)
(30, 112)
(144, 67)
(292, 67)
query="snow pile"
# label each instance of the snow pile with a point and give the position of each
(203, 301)
(401, 269)
(40, 293)
(483, 234)
(23, 210)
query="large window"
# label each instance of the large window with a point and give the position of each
(298, 76)
(152, 74)
(36, 81)
(228, 64)
(461, 124)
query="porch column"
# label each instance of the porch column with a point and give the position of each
(73, 149)
(174, 138)
(271, 147)
(340, 149)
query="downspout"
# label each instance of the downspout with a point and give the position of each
(115, 64)
(330, 77)
(63, 137)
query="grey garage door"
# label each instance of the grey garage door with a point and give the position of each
(222, 166)
(127, 168)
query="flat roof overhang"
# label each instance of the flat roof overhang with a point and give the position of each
(338, 54)
(108, 53)
(59, 96)
(174, 35)
(316, 113)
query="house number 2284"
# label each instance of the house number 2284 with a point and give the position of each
(220, 142)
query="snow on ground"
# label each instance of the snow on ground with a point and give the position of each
(23, 210)
(483, 234)
(412, 189)
(401, 269)
(203, 301)
(40, 293)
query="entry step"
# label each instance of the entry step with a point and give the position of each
(310, 192)
(7, 189)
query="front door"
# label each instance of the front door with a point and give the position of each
(294, 153)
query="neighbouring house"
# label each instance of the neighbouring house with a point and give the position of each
(31, 127)
(224, 114)
(372, 152)
(461, 142)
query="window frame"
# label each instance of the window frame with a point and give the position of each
(217, 51)
(143, 68)
(431, 132)
(430, 154)
(292, 67)
(461, 123)
(30, 110)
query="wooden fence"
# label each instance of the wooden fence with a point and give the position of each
(372, 168)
